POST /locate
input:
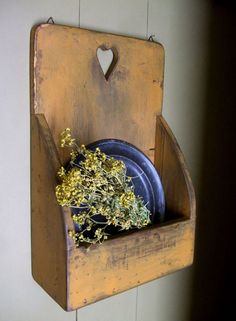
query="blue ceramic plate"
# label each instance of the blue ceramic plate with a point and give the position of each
(145, 178)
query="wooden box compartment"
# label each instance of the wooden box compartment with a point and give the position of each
(68, 89)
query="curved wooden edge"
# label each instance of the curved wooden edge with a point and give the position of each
(34, 55)
(32, 64)
(49, 222)
(48, 140)
(171, 165)
(71, 275)
(38, 26)
(53, 154)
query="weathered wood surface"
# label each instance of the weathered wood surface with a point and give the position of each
(47, 225)
(70, 90)
(128, 261)
(177, 184)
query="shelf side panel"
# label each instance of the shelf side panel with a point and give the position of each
(170, 163)
(48, 239)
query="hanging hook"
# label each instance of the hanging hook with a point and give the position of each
(50, 20)
(151, 38)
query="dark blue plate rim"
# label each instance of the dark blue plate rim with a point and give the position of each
(152, 175)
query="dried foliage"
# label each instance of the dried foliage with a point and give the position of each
(98, 187)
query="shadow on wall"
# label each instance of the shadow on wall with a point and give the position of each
(216, 229)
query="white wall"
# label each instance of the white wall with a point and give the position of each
(179, 26)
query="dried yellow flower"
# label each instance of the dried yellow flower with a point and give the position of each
(98, 185)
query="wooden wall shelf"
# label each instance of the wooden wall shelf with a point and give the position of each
(69, 90)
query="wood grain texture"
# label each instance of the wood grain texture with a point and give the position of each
(47, 226)
(124, 107)
(49, 222)
(70, 90)
(170, 162)
(127, 261)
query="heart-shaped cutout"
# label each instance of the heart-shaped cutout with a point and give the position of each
(107, 59)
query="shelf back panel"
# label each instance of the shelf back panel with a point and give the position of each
(70, 89)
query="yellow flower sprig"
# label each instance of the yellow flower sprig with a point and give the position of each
(66, 138)
(98, 185)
